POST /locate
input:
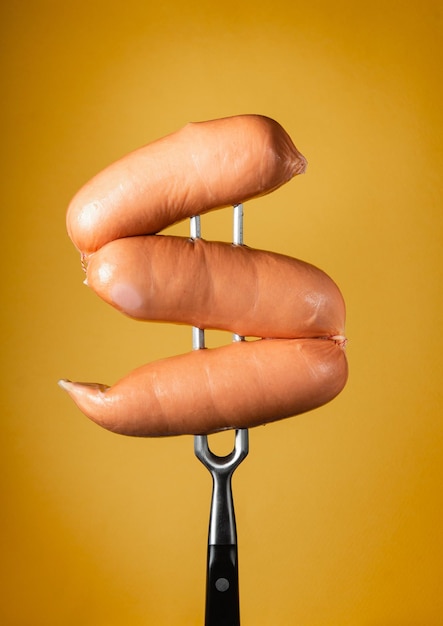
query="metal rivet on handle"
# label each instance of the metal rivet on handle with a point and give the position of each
(222, 584)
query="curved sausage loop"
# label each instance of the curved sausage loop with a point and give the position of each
(297, 362)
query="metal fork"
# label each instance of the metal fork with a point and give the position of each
(222, 585)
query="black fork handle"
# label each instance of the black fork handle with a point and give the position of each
(222, 593)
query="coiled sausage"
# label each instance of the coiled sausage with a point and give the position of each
(294, 309)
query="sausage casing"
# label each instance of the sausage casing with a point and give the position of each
(296, 310)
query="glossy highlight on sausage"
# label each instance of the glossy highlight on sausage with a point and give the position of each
(294, 311)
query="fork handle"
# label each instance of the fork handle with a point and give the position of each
(222, 595)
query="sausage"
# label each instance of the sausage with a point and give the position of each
(241, 385)
(203, 166)
(294, 311)
(215, 285)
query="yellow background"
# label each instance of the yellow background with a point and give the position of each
(339, 511)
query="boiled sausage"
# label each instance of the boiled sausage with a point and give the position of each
(235, 386)
(215, 285)
(297, 312)
(203, 166)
